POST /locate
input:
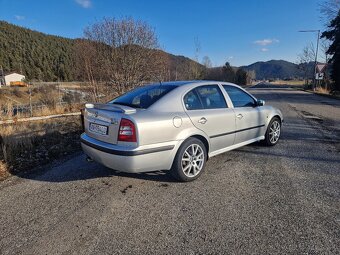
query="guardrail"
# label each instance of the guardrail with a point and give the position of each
(39, 118)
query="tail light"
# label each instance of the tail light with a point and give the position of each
(127, 131)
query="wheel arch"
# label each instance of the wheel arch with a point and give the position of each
(277, 116)
(204, 141)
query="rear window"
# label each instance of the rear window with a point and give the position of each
(143, 97)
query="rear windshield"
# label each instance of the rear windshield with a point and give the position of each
(143, 97)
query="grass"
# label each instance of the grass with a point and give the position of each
(289, 82)
(322, 90)
(23, 145)
(45, 100)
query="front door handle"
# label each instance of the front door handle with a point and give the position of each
(239, 116)
(202, 120)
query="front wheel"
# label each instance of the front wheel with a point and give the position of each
(190, 160)
(273, 132)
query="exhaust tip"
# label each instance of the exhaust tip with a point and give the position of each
(88, 159)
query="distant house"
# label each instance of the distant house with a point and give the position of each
(13, 77)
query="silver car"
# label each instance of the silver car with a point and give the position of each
(176, 126)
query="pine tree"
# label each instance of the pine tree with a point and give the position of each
(333, 34)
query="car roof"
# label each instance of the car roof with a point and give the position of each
(192, 82)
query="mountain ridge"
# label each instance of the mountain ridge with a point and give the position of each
(278, 69)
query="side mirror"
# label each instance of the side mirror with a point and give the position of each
(260, 102)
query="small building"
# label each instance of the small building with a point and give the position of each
(13, 77)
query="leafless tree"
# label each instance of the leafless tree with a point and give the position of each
(126, 50)
(196, 70)
(206, 62)
(251, 76)
(304, 61)
(324, 46)
(329, 9)
(88, 67)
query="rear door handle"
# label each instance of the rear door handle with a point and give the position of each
(202, 120)
(239, 116)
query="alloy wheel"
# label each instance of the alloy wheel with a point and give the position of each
(274, 133)
(192, 160)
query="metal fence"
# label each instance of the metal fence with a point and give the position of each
(32, 100)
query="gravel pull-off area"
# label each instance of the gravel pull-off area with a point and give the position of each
(254, 200)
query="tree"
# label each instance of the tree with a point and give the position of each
(206, 62)
(196, 70)
(333, 34)
(241, 77)
(329, 9)
(87, 65)
(228, 73)
(251, 76)
(126, 50)
(304, 59)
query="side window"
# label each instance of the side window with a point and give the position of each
(211, 97)
(191, 101)
(239, 97)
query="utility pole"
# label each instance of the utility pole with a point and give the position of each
(316, 54)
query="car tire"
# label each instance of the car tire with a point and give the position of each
(273, 132)
(190, 159)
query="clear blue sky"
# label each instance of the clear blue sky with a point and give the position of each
(238, 31)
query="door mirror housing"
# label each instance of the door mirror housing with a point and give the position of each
(260, 102)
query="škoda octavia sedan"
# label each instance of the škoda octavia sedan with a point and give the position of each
(176, 126)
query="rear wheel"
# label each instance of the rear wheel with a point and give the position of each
(190, 160)
(273, 132)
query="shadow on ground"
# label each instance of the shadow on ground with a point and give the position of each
(77, 169)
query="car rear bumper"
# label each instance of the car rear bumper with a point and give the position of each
(135, 160)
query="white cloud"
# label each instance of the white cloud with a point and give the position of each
(84, 3)
(231, 57)
(264, 49)
(266, 42)
(19, 17)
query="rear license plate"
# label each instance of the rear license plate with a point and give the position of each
(99, 129)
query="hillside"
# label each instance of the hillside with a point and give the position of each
(277, 69)
(37, 55)
(45, 57)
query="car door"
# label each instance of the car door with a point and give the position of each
(209, 112)
(250, 121)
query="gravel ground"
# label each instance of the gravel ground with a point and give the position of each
(254, 200)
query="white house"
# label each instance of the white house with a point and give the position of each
(13, 77)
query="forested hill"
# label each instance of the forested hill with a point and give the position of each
(37, 55)
(278, 69)
(48, 58)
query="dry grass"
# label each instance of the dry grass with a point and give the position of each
(45, 100)
(323, 90)
(11, 111)
(25, 145)
(289, 82)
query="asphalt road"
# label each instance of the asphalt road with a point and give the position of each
(254, 200)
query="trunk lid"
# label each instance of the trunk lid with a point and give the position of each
(102, 121)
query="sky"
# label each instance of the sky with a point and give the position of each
(238, 31)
